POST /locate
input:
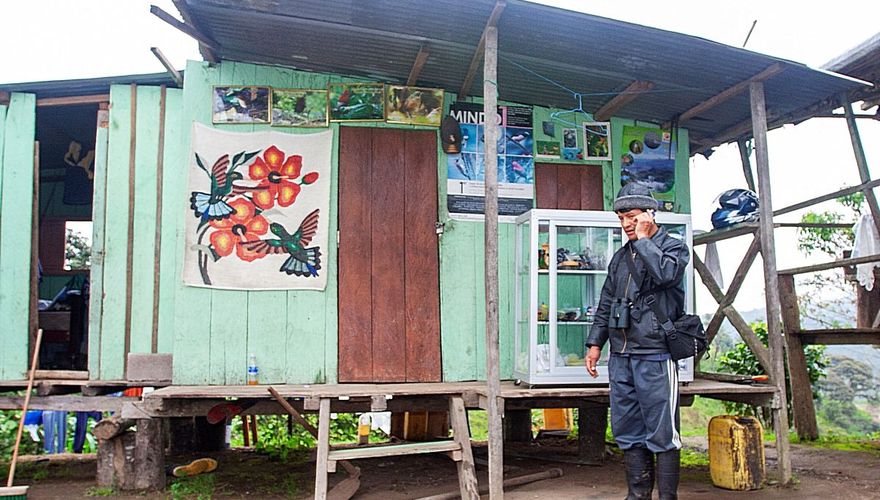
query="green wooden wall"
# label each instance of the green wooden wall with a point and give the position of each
(17, 128)
(294, 333)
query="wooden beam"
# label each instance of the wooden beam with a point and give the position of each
(74, 99)
(746, 164)
(169, 68)
(739, 323)
(861, 160)
(418, 64)
(840, 336)
(771, 279)
(206, 45)
(629, 94)
(732, 91)
(65, 403)
(478, 53)
(132, 148)
(734, 287)
(493, 370)
(803, 411)
(826, 197)
(741, 129)
(831, 265)
(157, 237)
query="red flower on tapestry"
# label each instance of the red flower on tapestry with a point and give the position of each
(242, 226)
(275, 173)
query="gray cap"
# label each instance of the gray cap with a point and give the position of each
(634, 195)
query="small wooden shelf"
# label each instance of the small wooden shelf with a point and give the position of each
(573, 271)
(567, 323)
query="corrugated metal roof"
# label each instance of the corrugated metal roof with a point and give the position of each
(85, 86)
(595, 56)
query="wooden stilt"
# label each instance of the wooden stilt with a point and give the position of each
(803, 410)
(490, 100)
(323, 451)
(768, 253)
(861, 160)
(592, 422)
(245, 432)
(467, 478)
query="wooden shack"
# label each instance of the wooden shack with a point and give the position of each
(404, 301)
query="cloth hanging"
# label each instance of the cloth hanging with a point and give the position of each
(867, 242)
(55, 431)
(713, 263)
(82, 424)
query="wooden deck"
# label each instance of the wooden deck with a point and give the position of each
(397, 397)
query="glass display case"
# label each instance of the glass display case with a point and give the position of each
(561, 262)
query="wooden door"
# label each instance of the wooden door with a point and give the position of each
(569, 187)
(389, 285)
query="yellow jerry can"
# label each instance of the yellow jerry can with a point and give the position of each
(736, 452)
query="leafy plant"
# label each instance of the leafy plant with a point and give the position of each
(741, 361)
(96, 491)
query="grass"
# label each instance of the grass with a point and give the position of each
(100, 492)
(694, 458)
(868, 443)
(197, 487)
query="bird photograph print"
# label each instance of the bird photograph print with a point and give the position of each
(258, 206)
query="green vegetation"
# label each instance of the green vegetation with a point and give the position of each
(694, 458)
(100, 492)
(193, 488)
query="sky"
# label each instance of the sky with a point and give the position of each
(65, 39)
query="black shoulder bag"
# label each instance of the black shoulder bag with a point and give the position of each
(685, 337)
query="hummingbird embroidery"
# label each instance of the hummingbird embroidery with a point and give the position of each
(208, 206)
(302, 261)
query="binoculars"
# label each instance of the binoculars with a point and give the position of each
(619, 316)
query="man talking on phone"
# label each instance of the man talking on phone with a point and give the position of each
(642, 376)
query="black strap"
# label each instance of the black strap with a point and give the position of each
(649, 298)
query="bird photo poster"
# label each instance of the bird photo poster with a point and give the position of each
(258, 207)
(465, 172)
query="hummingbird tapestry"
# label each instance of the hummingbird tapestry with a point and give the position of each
(258, 207)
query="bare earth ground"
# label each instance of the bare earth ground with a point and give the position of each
(820, 473)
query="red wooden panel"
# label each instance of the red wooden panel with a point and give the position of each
(592, 197)
(355, 251)
(568, 187)
(51, 245)
(545, 185)
(421, 263)
(389, 308)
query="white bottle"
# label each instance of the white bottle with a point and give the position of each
(253, 373)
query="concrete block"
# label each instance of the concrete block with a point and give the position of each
(146, 367)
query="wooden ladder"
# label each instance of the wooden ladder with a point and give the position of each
(459, 449)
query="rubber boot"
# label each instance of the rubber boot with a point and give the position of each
(668, 472)
(639, 473)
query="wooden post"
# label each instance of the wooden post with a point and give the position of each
(804, 413)
(746, 164)
(518, 426)
(467, 477)
(861, 161)
(490, 110)
(134, 460)
(33, 303)
(592, 422)
(768, 254)
(323, 452)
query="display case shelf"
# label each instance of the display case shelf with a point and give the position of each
(551, 351)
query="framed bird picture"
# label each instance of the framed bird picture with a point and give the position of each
(413, 105)
(597, 140)
(356, 102)
(241, 104)
(299, 108)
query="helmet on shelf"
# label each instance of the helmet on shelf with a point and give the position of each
(736, 205)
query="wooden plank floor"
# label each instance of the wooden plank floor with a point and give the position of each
(508, 390)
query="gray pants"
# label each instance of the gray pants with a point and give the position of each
(644, 403)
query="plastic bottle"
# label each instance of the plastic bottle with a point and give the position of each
(363, 431)
(253, 373)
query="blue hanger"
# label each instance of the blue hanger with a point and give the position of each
(557, 115)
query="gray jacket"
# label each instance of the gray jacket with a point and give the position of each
(660, 263)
